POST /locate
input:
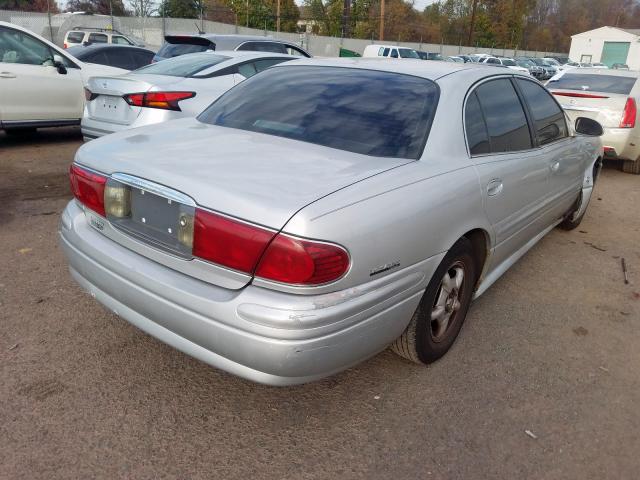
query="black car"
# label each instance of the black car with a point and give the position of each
(121, 56)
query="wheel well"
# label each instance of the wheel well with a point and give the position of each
(480, 243)
(597, 167)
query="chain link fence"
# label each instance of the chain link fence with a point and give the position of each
(151, 31)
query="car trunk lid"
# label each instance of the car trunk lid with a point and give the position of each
(606, 108)
(254, 177)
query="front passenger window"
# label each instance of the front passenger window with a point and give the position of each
(18, 47)
(394, 53)
(503, 112)
(550, 124)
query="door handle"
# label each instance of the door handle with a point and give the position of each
(494, 187)
(555, 166)
(7, 75)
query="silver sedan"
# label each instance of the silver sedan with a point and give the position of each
(176, 88)
(325, 209)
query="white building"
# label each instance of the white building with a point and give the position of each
(607, 45)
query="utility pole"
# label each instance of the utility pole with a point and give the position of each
(346, 19)
(49, 16)
(247, 13)
(278, 17)
(381, 20)
(474, 7)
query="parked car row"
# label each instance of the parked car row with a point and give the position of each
(42, 85)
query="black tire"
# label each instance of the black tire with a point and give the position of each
(631, 166)
(570, 221)
(422, 342)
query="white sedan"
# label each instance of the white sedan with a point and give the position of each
(178, 87)
(40, 84)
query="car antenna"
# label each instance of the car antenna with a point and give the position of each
(200, 32)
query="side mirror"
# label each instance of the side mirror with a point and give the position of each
(58, 62)
(589, 127)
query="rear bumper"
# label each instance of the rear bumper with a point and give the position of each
(259, 334)
(92, 128)
(621, 143)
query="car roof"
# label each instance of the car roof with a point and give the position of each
(407, 66)
(242, 53)
(101, 46)
(229, 38)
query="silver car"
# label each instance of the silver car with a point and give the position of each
(325, 209)
(176, 88)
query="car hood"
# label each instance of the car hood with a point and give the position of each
(260, 178)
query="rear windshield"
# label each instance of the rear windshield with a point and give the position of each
(595, 83)
(169, 50)
(75, 37)
(183, 66)
(363, 111)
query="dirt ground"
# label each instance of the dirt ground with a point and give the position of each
(553, 349)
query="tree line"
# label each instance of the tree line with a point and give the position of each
(545, 25)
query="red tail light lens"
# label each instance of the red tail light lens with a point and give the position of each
(88, 188)
(64, 45)
(162, 100)
(302, 262)
(578, 95)
(228, 242)
(250, 248)
(89, 95)
(629, 114)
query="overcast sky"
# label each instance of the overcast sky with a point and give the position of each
(419, 4)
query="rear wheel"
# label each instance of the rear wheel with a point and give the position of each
(631, 166)
(442, 310)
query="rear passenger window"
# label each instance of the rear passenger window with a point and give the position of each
(477, 137)
(268, 62)
(98, 38)
(394, 53)
(272, 47)
(386, 52)
(548, 118)
(506, 121)
(75, 37)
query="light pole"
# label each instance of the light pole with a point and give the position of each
(381, 20)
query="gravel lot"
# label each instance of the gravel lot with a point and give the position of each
(552, 348)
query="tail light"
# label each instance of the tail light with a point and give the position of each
(629, 114)
(162, 100)
(270, 255)
(578, 95)
(228, 242)
(88, 188)
(64, 45)
(225, 241)
(89, 95)
(302, 262)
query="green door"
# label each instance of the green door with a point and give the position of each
(615, 52)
